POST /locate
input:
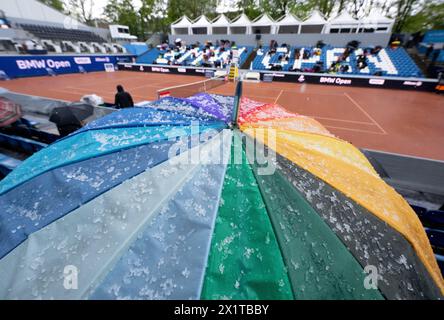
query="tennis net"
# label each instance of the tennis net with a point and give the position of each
(187, 90)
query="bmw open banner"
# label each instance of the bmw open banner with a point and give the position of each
(29, 66)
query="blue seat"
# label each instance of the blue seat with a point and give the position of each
(436, 238)
(7, 164)
(25, 145)
(440, 260)
(420, 211)
(434, 219)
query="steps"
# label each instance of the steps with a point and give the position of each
(250, 58)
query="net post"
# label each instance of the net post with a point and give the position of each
(237, 97)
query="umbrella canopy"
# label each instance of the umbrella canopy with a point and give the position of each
(167, 202)
(10, 112)
(70, 118)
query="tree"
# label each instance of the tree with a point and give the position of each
(83, 10)
(404, 9)
(358, 5)
(56, 4)
(190, 8)
(430, 17)
(123, 12)
(153, 14)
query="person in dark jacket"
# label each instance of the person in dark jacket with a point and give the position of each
(123, 99)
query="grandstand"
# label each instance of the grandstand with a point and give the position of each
(386, 62)
(34, 28)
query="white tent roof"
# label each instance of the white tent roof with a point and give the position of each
(344, 18)
(202, 21)
(263, 20)
(241, 21)
(182, 23)
(376, 16)
(221, 21)
(288, 20)
(315, 18)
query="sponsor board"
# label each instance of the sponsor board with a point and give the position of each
(160, 69)
(377, 82)
(109, 67)
(335, 80)
(29, 64)
(182, 70)
(103, 59)
(301, 79)
(413, 83)
(38, 65)
(82, 60)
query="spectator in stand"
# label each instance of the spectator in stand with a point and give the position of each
(344, 68)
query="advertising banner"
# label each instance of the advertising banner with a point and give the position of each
(311, 78)
(29, 66)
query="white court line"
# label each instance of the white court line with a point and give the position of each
(277, 98)
(363, 111)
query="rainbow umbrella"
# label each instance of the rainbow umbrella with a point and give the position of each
(10, 112)
(171, 201)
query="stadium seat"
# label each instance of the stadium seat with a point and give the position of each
(7, 164)
(436, 238)
(27, 146)
(433, 219)
(389, 62)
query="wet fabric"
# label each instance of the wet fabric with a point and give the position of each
(331, 160)
(403, 275)
(227, 102)
(48, 197)
(245, 261)
(167, 261)
(319, 266)
(91, 144)
(205, 102)
(138, 209)
(93, 237)
(134, 117)
(180, 106)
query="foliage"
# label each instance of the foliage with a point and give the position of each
(56, 4)
(157, 15)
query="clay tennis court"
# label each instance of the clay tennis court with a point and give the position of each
(404, 122)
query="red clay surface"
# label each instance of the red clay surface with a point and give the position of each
(405, 122)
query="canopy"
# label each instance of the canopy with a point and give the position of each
(241, 21)
(221, 21)
(181, 26)
(315, 18)
(263, 20)
(288, 24)
(220, 25)
(314, 24)
(376, 20)
(202, 21)
(182, 23)
(168, 201)
(344, 19)
(263, 24)
(10, 112)
(343, 23)
(241, 25)
(288, 20)
(201, 26)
